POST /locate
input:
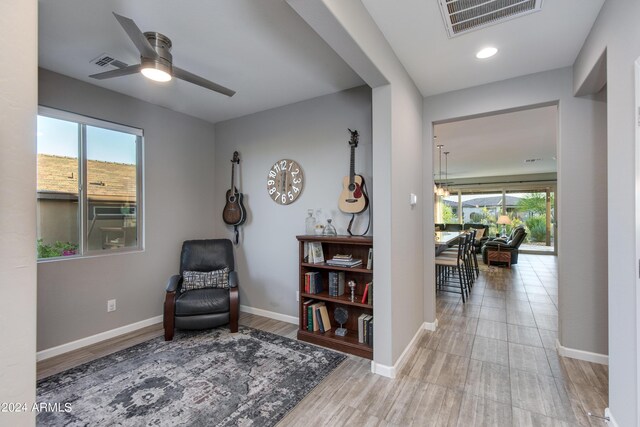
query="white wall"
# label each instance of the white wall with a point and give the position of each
(617, 31)
(581, 196)
(178, 205)
(314, 134)
(18, 103)
(397, 170)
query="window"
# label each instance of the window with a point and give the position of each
(89, 186)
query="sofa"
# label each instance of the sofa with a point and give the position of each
(511, 244)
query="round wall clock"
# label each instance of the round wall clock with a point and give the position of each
(285, 181)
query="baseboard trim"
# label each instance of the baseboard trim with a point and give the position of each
(94, 339)
(587, 356)
(431, 326)
(391, 371)
(611, 421)
(269, 314)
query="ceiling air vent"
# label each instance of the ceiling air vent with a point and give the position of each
(105, 59)
(462, 16)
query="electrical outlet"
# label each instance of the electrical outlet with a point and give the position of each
(297, 296)
(111, 305)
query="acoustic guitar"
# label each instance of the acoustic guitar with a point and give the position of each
(353, 200)
(234, 212)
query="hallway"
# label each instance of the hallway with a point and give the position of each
(498, 349)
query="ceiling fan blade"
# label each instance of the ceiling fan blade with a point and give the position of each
(179, 73)
(131, 69)
(136, 36)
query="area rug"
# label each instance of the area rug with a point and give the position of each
(208, 378)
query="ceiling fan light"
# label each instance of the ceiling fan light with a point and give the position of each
(156, 71)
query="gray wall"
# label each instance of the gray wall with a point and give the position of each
(581, 193)
(178, 204)
(397, 170)
(18, 103)
(314, 134)
(617, 32)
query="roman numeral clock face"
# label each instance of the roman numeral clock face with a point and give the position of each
(285, 182)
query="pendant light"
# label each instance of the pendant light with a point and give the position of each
(446, 174)
(440, 190)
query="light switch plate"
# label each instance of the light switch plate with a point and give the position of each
(413, 199)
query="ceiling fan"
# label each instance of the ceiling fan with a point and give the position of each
(156, 60)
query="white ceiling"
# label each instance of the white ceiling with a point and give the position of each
(498, 145)
(260, 48)
(264, 51)
(541, 41)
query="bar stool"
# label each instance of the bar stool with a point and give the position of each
(467, 258)
(448, 269)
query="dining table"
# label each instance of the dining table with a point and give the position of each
(444, 239)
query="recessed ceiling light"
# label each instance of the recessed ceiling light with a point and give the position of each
(487, 52)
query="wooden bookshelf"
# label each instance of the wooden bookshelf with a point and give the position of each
(357, 246)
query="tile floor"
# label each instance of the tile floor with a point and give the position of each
(502, 342)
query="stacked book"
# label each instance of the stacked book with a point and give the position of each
(365, 329)
(336, 283)
(313, 282)
(344, 261)
(315, 316)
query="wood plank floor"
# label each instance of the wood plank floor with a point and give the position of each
(492, 362)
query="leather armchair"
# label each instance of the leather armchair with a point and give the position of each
(511, 244)
(202, 308)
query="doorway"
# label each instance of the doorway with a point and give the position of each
(496, 166)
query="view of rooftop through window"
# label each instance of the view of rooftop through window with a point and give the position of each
(92, 212)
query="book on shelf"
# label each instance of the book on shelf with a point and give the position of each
(316, 255)
(336, 283)
(344, 263)
(365, 294)
(370, 295)
(343, 257)
(318, 317)
(305, 312)
(360, 327)
(370, 259)
(365, 329)
(312, 322)
(324, 318)
(313, 282)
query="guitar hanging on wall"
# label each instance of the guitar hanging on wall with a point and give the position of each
(353, 199)
(234, 212)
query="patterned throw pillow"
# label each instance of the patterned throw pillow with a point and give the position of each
(205, 279)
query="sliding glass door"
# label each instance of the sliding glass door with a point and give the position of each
(535, 209)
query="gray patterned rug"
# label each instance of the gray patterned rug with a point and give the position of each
(208, 378)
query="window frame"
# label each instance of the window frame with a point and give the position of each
(83, 200)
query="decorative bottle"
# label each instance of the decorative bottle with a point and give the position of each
(319, 227)
(310, 223)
